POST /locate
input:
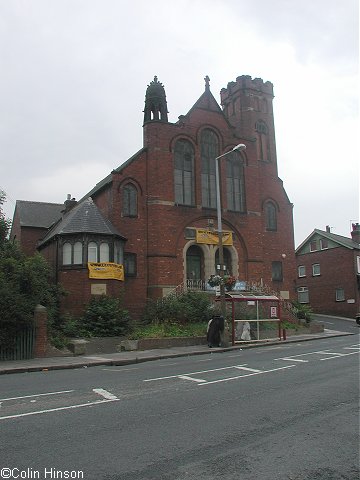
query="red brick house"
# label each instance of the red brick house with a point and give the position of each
(159, 207)
(328, 276)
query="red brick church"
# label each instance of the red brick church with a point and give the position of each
(155, 215)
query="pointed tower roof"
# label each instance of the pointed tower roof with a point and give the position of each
(83, 218)
(155, 102)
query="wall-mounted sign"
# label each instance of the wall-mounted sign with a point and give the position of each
(98, 289)
(106, 270)
(212, 238)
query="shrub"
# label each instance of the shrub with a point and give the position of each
(303, 311)
(24, 283)
(105, 317)
(190, 307)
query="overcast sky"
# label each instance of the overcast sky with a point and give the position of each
(74, 74)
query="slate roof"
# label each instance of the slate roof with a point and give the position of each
(107, 180)
(339, 239)
(85, 217)
(38, 214)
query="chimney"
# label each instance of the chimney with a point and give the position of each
(355, 234)
(328, 229)
(69, 203)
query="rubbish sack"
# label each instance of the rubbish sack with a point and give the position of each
(214, 330)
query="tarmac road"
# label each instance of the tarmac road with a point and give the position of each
(279, 412)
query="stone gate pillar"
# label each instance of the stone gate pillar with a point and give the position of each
(40, 322)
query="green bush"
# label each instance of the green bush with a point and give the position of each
(24, 283)
(303, 311)
(105, 317)
(189, 307)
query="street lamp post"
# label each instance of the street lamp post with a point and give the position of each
(241, 146)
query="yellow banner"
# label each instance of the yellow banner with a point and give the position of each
(212, 238)
(106, 270)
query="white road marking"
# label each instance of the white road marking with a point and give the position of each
(36, 395)
(300, 355)
(105, 394)
(193, 379)
(331, 353)
(247, 375)
(192, 373)
(292, 359)
(249, 369)
(338, 355)
(39, 412)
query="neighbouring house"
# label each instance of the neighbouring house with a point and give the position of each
(328, 272)
(156, 214)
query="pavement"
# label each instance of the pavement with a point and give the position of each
(138, 356)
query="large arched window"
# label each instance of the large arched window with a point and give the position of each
(129, 201)
(209, 151)
(235, 187)
(270, 216)
(184, 172)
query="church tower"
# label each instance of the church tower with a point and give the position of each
(247, 104)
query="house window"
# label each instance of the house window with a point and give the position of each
(92, 252)
(235, 188)
(301, 271)
(323, 244)
(277, 271)
(358, 264)
(118, 253)
(340, 295)
(303, 295)
(129, 201)
(66, 253)
(313, 246)
(78, 253)
(104, 252)
(130, 264)
(270, 216)
(209, 151)
(316, 269)
(184, 173)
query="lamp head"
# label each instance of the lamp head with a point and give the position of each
(240, 147)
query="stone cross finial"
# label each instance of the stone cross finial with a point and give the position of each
(207, 82)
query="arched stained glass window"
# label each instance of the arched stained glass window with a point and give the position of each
(263, 145)
(184, 172)
(129, 201)
(209, 151)
(270, 216)
(235, 183)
